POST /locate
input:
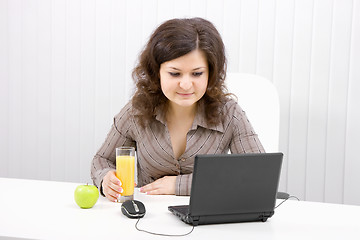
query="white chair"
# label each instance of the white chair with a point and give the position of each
(259, 98)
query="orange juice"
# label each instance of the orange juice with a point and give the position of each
(125, 169)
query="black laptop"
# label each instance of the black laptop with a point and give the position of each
(232, 188)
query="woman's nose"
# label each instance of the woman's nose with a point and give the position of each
(185, 83)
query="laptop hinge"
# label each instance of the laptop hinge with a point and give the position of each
(195, 221)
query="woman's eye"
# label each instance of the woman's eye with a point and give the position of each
(174, 74)
(197, 74)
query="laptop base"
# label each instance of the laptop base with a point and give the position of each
(182, 211)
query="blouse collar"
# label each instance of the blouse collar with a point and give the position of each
(199, 119)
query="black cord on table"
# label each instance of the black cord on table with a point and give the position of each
(192, 229)
(286, 200)
(162, 234)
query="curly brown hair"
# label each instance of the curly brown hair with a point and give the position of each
(172, 39)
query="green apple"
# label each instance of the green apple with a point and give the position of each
(86, 195)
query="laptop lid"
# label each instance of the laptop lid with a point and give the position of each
(233, 184)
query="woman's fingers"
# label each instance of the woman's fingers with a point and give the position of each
(165, 185)
(112, 186)
(111, 195)
(147, 188)
(116, 186)
(155, 192)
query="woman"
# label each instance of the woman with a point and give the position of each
(180, 108)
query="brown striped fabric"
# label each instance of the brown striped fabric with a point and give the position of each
(155, 157)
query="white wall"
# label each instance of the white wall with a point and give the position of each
(65, 71)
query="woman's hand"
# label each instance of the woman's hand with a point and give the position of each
(111, 186)
(164, 185)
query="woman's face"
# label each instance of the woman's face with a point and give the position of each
(184, 80)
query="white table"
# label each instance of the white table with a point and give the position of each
(34, 209)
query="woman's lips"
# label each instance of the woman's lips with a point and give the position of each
(185, 94)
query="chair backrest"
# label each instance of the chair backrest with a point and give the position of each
(259, 98)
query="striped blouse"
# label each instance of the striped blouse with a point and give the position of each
(155, 157)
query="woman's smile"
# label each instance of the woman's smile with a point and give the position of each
(185, 94)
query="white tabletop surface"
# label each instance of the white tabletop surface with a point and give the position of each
(34, 209)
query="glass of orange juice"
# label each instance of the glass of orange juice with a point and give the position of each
(125, 171)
